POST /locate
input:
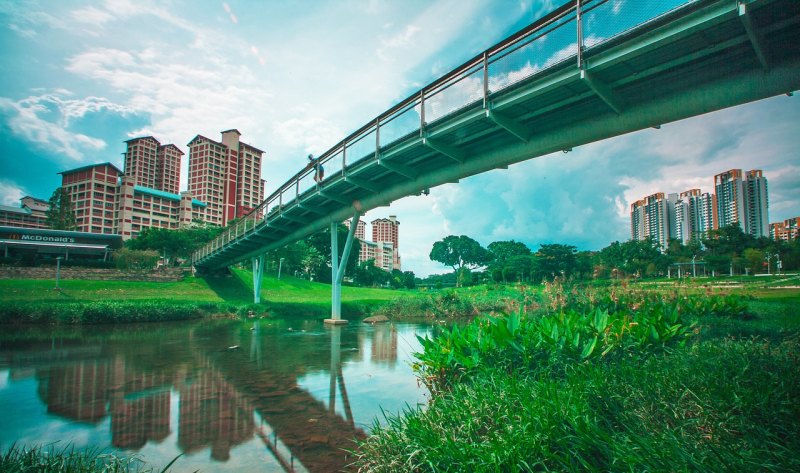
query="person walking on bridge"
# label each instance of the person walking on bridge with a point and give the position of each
(319, 171)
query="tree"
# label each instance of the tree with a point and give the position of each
(367, 274)
(510, 260)
(174, 244)
(556, 260)
(754, 259)
(60, 215)
(460, 252)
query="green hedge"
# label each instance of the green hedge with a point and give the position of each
(102, 312)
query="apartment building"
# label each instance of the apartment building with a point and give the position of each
(387, 230)
(32, 213)
(141, 207)
(757, 203)
(742, 199)
(226, 176)
(93, 191)
(695, 215)
(383, 247)
(786, 230)
(653, 217)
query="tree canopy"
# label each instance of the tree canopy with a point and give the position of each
(460, 252)
(60, 215)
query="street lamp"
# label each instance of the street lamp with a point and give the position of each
(58, 271)
(694, 269)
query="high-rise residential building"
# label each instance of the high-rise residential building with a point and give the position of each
(729, 187)
(757, 203)
(638, 221)
(383, 247)
(93, 191)
(786, 230)
(153, 165)
(652, 217)
(226, 176)
(695, 215)
(743, 199)
(388, 230)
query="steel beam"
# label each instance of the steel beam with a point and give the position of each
(754, 36)
(508, 124)
(602, 90)
(397, 168)
(445, 149)
(362, 183)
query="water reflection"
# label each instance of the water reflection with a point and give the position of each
(263, 395)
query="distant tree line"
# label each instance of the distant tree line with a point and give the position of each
(727, 250)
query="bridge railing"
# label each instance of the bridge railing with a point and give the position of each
(569, 33)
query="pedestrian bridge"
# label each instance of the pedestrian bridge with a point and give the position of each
(587, 71)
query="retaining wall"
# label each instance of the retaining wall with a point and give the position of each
(92, 274)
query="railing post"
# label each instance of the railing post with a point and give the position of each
(422, 113)
(486, 79)
(579, 22)
(377, 137)
(344, 155)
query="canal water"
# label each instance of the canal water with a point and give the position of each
(260, 395)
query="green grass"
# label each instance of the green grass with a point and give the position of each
(126, 301)
(55, 459)
(726, 400)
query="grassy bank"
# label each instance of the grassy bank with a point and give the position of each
(36, 301)
(57, 459)
(630, 381)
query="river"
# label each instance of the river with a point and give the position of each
(264, 395)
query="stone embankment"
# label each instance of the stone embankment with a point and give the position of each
(93, 274)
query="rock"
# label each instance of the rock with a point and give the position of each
(376, 319)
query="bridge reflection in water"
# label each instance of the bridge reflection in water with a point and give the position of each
(212, 387)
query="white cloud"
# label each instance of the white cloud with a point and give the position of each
(11, 193)
(28, 118)
(92, 16)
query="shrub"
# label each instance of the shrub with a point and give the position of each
(135, 259)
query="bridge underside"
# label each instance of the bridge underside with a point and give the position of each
(703, 57)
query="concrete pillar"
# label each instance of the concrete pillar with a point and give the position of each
(258, 274)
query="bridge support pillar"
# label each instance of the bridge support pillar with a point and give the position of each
(338, 266)
(258, 274)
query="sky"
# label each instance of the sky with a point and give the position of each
(79, 78)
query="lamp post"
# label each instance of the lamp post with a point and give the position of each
(58, 271)
(280, 266)
(694, 269)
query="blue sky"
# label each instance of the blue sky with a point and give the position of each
(79, 78)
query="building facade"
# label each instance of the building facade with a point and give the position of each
(141, 207)
(32, 213)
(757, 203)
(786, 230)
(94, 192)
(729, 187)
(653, 217)
(226, 176)
(383, 247)
(695, 215)
(387, 230)
(742, 198)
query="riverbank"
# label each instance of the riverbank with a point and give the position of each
(76, 301)
(647, 382)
